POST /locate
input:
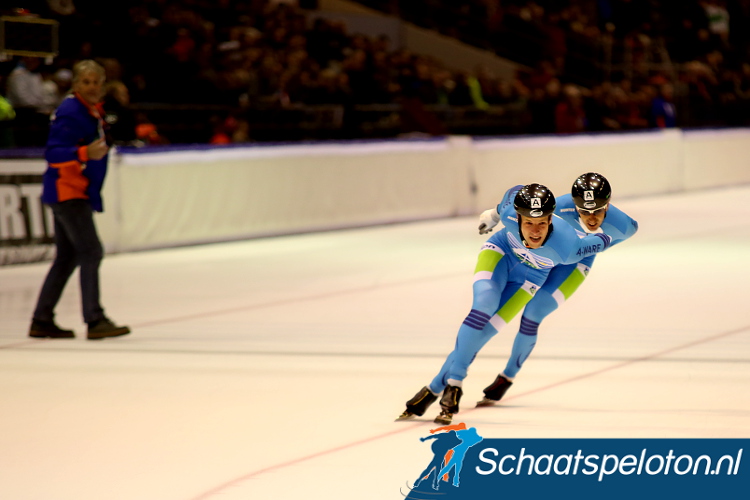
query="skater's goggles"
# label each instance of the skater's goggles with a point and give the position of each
(598, 211)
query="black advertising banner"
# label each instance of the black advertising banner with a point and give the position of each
(26, 225)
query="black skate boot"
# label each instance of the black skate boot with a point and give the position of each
(417, 405)
(495, 391)
(449, 404)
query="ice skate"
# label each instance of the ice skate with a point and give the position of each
(495, 391)
(445, 418)
(449, 404)
(417, 405)
(486, 402)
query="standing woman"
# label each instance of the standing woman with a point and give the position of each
(76, 155)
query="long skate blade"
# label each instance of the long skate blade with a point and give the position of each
(486, 402)
(405, 416)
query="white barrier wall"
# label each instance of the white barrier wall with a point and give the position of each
(716, 158)
(208, 194)
(223, 194)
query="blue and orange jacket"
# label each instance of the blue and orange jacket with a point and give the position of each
(70, 173)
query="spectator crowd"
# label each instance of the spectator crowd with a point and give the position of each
(687, 63)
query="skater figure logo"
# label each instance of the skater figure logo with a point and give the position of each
(443, 473)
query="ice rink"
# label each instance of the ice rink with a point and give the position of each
(274, 368)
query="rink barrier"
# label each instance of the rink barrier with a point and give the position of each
(174, 196)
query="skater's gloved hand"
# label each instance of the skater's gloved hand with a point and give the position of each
(488, 220)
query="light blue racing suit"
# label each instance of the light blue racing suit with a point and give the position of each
(506, 277)
(563, 280)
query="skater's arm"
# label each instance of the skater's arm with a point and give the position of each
(489, 218)
(587, 246)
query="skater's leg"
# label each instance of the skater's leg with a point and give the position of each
(473, 333)
(490, 278)
(561, 283)
(522, 346)
(470, 342)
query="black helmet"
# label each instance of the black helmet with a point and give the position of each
(591, 191)
(534, 200)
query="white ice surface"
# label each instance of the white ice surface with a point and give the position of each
(273, 369)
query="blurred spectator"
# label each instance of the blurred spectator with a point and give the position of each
(220, 132)
(146, 131)
(326, 41)
(570, 116)
(734, 95)
(6, 110)
(417, 80)
(542, 105)
(50, 89)
(686, 44)
(488, 83)
(63, 78)
(444, 83)
(229, 130)
(241, 132)
(718, 20)
(467, 91)
(26, 89)
(461, 93)
(332, 87)
(32, 101)
(118, 115)
(542, 74)
(701, 93)
(663, 113)
(7, 115)
(359, 68)
(742, 82)
(595, 108)
(555, 41)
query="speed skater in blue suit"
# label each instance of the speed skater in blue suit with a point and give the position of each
(512, 266)
(588, 209)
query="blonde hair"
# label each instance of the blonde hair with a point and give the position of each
(88, 66)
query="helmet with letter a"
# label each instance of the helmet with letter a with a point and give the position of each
(534, 200)
(591, 192)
